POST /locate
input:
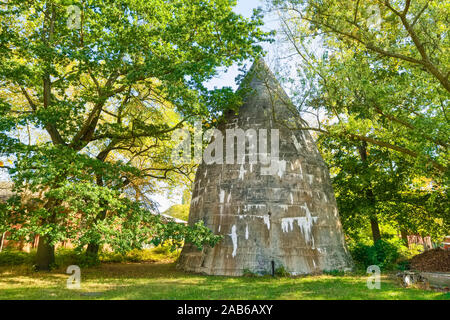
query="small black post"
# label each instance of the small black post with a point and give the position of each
(273, 268)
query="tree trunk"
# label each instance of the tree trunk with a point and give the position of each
(45, 256)
(92, 249)
(376, 234)
(404, 235)
(2, 240)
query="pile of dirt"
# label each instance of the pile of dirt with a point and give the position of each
(436, 260)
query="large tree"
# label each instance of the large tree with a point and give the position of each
(378, 70)
(373, 74)
(98, 78)
(376, 187)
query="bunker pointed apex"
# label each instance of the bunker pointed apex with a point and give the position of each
(260, 75)
(260, 66)
(280, 213)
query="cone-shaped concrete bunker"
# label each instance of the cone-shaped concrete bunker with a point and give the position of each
(277, 212)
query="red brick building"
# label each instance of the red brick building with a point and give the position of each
(447, 242)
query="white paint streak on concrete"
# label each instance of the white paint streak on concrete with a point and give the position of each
(222, 196)
(280, 168)
(287, 224)
(305, 223)
(298, 146)
(233, 236)
(248, 207)
(242, 173)
(246, 232)
(291, 196)
(266, 218)
(267, 221)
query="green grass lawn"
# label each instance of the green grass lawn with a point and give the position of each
(163, 281)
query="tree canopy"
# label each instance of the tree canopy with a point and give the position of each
(373, 79)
